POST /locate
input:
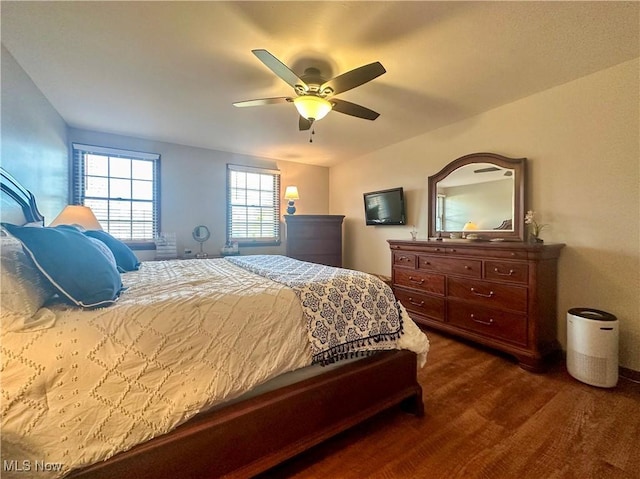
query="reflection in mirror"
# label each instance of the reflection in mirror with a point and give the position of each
(478, 196)
(481, 193)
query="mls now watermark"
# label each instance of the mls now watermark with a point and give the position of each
(27, 465)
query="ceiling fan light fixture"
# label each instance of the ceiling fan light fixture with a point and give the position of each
(312, 107)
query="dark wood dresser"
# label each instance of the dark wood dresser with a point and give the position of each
(500, 294)
(315, 238)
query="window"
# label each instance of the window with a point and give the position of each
(440, 202)
(122, 189)
(253, 205)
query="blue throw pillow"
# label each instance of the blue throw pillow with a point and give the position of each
(125, 258)
(104, 249)
(80, 271)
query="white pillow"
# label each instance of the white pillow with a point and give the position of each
(23, 290)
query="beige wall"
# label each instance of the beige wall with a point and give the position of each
(193, 186)
(582, 144)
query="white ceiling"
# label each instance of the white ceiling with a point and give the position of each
(170, 71)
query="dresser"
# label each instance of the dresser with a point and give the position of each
(315, 238)
(499, 294)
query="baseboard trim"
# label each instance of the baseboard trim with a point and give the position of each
(631, 374)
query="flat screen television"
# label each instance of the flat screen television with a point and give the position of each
(385, 207)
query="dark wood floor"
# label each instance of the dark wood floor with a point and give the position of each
(487, 418)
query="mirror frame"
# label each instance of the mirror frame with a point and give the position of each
(516, 164)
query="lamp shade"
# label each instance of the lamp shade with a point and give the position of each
(291, 193)
(77, 215)
(312, 107)
(469, 226)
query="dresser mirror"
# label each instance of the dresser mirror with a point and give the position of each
(478, 196)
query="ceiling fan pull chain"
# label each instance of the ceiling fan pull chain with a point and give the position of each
(313, 132)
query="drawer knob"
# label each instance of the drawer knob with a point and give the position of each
(488, 323)
(466, 266)
(510, 273)
(421, 303)
(484, 295)
(413, 280)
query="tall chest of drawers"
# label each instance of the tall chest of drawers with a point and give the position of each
(315, 238)
(501, 294)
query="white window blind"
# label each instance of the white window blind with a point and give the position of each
(122, 188)
(253, 205)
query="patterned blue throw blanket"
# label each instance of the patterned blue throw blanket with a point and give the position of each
(348, 313)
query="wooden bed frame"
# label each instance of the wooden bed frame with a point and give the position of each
(249, 437)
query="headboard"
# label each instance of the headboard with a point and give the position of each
(18, 205)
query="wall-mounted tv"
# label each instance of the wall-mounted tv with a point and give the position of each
(385, 207)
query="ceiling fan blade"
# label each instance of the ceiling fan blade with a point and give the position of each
(263, 101)
(354, 78)
(486, 170)
(303, 123)
(280, 69)
(352, 109)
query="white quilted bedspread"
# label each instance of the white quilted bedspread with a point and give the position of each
(184, 337)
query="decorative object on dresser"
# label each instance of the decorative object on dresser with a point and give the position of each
(201, 234)
(500, 294)
(482, 192)
(535, 227)
(315, 238)
(291, 194)
(166, 247)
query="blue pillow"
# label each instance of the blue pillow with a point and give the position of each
(73, 264)
(125, 258)
(104, 249)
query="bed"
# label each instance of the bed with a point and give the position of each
(161, 383)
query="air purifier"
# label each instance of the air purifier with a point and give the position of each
(592, 346)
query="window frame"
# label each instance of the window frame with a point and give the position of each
(276, 238)
(78, 195)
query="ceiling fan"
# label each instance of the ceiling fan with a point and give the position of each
(314, 95)
(492, 169)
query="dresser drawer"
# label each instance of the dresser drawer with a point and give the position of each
(422, 246)
(490, 322)
(432, 283)
(506, 271)
(493, 295)
(462, 266)
(420, 303)
(314, 246)
(400, 258)
(487, 253)
(314, 231)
